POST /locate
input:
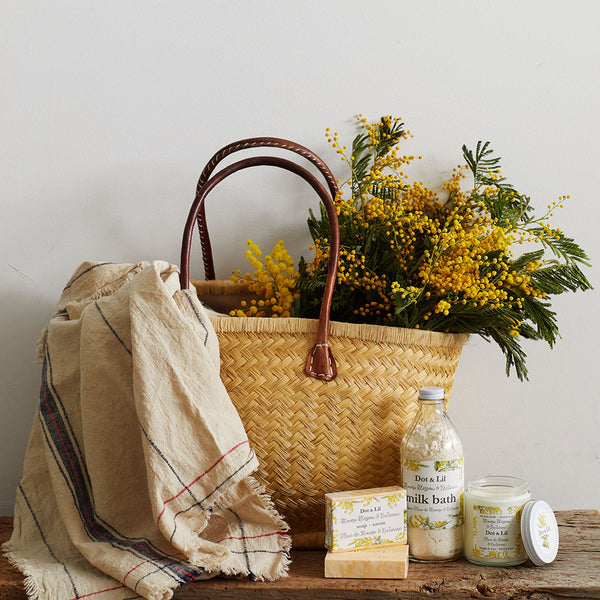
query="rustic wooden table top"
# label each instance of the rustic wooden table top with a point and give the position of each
(574, 574)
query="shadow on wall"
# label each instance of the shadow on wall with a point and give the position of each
(24, 316)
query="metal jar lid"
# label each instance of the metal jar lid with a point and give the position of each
(539, 531)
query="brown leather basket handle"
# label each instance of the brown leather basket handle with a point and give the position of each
(320, 363)
(249, 143)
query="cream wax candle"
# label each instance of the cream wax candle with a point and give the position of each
(493, 509)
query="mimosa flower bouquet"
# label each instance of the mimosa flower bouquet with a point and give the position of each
(475, 259)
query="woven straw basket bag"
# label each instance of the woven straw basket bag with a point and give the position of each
(318, 424)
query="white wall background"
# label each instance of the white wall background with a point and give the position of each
(109, 111)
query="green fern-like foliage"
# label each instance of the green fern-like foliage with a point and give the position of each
(412, 259)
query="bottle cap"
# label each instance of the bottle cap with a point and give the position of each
(539, 531)
(431, 393)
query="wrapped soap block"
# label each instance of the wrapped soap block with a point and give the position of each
(384, 562)
(365, 518)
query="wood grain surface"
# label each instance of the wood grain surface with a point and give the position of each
(574, 574)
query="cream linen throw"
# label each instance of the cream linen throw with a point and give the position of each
(137, 472)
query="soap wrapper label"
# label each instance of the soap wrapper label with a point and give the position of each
(365, 518)
(434, 493)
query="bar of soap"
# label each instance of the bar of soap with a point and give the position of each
(386, 562)
(365, 518)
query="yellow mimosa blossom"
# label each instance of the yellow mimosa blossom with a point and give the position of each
(273, 281)
(413, 257)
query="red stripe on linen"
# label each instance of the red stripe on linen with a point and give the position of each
(119, 587)
(134, 568)
(187, 487)
(157, 563)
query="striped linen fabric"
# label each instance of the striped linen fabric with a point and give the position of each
(137, 475)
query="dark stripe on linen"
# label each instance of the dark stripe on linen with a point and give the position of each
(84, 272)
(187, 295)
(199, 503)
(251, 575)
(37, 524)
(164, 458)
(73, 471)
(111, 327)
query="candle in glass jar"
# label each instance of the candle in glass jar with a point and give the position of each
(493, 507)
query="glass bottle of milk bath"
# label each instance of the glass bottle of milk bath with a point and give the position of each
(433, 477)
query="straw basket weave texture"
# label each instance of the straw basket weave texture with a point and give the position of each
(311, 436)
(314, 429)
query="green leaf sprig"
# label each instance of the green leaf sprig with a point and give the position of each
(411, 259)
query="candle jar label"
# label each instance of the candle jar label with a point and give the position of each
(497, 532)
(434, 493)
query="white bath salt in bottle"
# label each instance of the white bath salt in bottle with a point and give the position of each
(433, 477)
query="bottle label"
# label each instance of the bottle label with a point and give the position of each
(434, 493)
(497, 532)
